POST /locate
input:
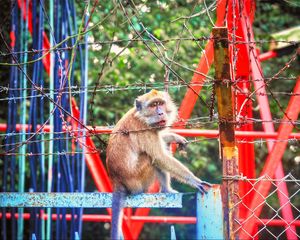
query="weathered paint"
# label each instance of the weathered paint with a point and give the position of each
(209, 214)
(228, 150)
(88, 200)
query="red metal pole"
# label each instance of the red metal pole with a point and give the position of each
(98, 170)
(273, 159)
(93, 160)
(246, 30)
(241, 72)
(268, 126)
(154, 219)
(186, 132)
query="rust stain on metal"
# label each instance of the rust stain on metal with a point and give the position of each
(230, 152)
(228, 149)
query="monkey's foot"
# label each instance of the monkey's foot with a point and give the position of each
(169, 190)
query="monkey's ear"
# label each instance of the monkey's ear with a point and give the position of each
(138, 105)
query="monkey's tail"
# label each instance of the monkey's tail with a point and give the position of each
(118, 199)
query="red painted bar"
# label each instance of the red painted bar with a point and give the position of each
(185, 132)
(272, 161)
(156, 219)
(267, 55)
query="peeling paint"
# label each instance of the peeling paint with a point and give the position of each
(88, 200)
(209, 214)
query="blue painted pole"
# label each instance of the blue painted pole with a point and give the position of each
(210, 215)
(13, 120)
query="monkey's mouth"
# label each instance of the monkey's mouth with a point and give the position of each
(162, 123)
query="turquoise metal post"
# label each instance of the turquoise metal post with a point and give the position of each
(21, 186)
(210, 215)
(173, 234)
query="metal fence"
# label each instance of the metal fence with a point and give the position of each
(263, 217)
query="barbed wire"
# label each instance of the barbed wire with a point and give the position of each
(97, 150)
(209, 82)
(120, 41)
(111, 89)
(287, 178)
(81, 134)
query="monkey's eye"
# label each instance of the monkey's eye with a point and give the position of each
(154, 104)
(157, 103)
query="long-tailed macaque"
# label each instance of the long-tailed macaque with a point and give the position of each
(137, 153)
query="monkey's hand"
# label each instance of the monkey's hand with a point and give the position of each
(182, 143)
(173, 137)
(202, 186)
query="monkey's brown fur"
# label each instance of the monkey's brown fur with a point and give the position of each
(137, 151)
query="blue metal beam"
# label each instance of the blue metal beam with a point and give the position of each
(88, 200)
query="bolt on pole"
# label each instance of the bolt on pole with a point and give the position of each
(228, 149)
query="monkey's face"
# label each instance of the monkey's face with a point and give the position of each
(157, 110)
(157, 113)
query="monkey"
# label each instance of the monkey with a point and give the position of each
(137, 153)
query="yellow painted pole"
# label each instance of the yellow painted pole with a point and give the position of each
(228, 149)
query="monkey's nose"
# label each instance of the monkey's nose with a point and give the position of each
(159, 112)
